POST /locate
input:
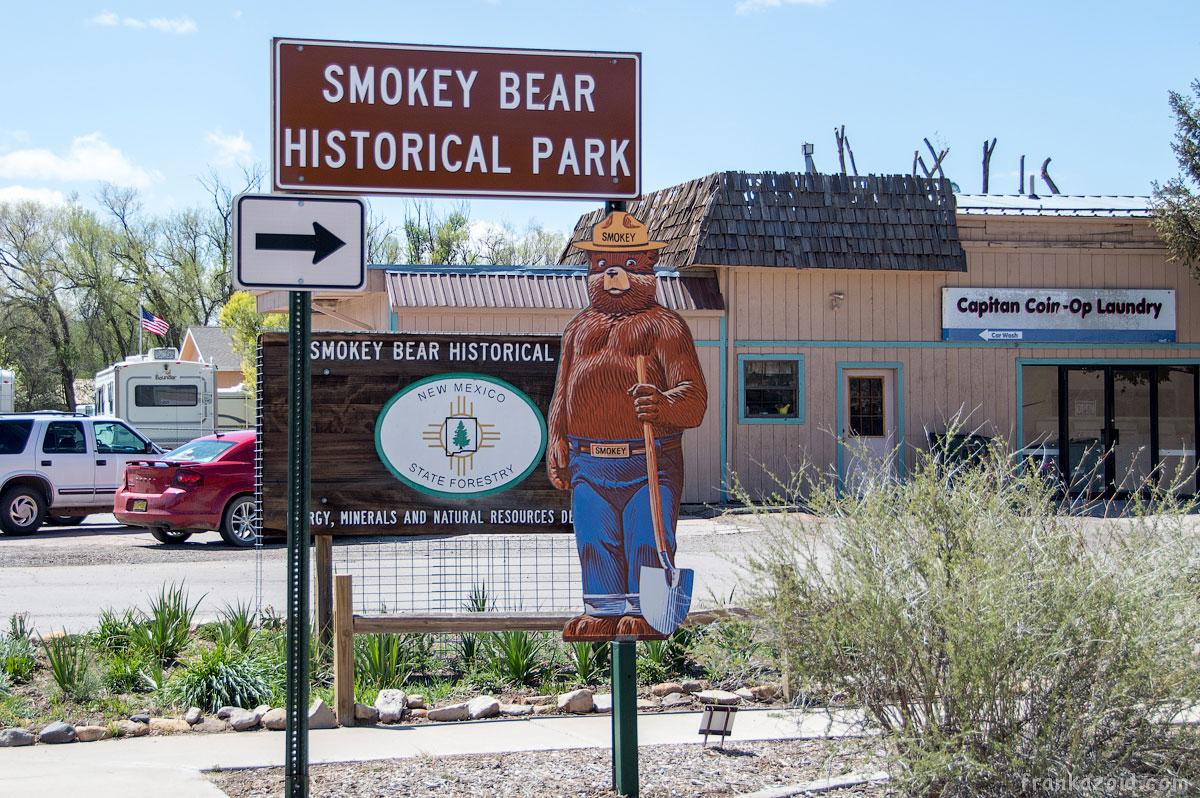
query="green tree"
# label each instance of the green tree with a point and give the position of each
(438, 242)
(461, 439)
(241, 317)
(1176, 204)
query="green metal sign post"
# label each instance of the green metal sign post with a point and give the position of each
(299, 446)
(624, 724)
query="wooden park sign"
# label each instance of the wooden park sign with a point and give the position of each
(417, 434)
(459, 121)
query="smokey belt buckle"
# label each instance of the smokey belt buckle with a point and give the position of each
(609, 449)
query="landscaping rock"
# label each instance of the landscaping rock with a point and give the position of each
(537, 699)
(764, 692)
(602, 702)
(691, 686)
(744, 694)
(675, 700)
(418, 714)
(193, 716)
(320, 716)
(391, 705)
(90, 734)
(57, 732)
(515, 710)
(453, 712)
(543, 709)
(416, 701)
(718, 697)
(141, 717)
(646, 703)
(211, 725)
(576, 701)
(275, 720)
(223, 712)
(365, 714)
(12, 738)
(243, 719)
(483, 707)
(261, 710)
(169, 725)
(666, 688)
(132, 728)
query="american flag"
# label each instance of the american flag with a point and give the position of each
(153, 323)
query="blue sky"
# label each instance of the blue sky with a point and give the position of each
(154, 94)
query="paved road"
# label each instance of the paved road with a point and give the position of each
(65, 576)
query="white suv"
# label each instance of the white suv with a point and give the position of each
(58, 467)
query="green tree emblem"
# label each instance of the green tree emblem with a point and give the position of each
(461, 439)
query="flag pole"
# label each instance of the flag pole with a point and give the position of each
(141, 310)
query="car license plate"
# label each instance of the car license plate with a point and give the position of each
(137, 506)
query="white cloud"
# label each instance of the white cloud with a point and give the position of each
(89, 158)
(46, 196)
(180, 25)
(229, 150)
(754, 6)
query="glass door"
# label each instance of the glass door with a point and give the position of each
(1132, 453)
(1087, 430)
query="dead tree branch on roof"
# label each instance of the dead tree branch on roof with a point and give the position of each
(1046, 177)
(843, 145)
(988, 149)
(938, 157)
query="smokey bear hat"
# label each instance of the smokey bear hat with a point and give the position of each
(619, 232)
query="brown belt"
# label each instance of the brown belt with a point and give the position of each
(622, 450)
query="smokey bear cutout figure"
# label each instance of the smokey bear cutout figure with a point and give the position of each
(597, 446)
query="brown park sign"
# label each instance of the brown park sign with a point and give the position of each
(462, 121)
(416, 434)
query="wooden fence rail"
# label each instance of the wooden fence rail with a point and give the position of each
(346, 625)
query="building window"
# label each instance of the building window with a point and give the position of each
(166, 396)
(772, 389)
(866, 407)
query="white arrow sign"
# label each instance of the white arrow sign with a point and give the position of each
(1002, 335)
(298, 242)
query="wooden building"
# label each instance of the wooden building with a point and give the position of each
(847, 318)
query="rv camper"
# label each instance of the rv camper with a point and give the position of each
(8, 386)
(171, 401)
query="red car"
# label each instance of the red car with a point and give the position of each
(205, 484)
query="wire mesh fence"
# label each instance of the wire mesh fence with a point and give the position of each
(510, 573)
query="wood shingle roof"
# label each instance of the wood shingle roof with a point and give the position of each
(799, 221)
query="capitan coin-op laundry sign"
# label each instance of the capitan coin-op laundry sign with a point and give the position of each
(1067, 315)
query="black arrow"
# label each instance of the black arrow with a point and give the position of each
(321, 243)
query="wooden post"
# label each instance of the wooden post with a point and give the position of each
(324, 546)
(343, 648)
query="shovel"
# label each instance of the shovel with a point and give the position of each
(666, 593)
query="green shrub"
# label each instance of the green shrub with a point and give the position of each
(217, 677)
(114, 632)
(383, 660)
(651, 663)
(17, 660)
(514, 656)
(733, 652)
(68, 660)
(124, 673)
(588, 660)
(1002, 647)
(236, 626)
(165, 630)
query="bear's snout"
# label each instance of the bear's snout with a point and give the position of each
(616, 280)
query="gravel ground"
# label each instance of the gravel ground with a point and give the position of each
(664, 770)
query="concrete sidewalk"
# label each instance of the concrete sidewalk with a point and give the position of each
(173, 765)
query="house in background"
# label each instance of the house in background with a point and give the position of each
(213, 345)
(841, 320)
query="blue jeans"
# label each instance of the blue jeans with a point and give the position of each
(614, 530)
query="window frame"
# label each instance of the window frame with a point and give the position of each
(798, 359)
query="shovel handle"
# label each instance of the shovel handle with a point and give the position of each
(660, 535)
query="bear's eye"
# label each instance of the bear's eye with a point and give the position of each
(601, 264)
(630, 263)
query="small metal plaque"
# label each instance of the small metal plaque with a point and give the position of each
(610, 450)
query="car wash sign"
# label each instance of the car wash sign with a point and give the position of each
(460, 121)
(1066, 315)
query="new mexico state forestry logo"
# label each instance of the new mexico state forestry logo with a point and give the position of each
(460, 435)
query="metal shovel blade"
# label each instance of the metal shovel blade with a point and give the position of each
(666, 595)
